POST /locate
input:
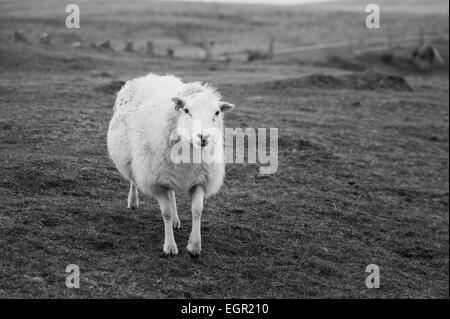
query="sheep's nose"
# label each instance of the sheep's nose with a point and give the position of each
(203, 138)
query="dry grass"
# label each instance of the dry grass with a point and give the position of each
(362, 178)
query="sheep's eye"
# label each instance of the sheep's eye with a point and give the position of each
(217, 113)
(187, 111)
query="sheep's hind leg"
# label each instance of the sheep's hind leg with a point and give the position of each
(133, 197)
(170, 247)
(175, 220)
(195, 242)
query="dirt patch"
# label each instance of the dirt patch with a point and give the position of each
(355, 81)
(5, 126)
(402, 59)
(342, 63)
(374, 81)
(111, 87)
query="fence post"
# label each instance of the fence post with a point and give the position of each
(270, 54)
(129, 46)
(150, 48)
(389, 40)
(208, 46)
(421, 35)
(350, 44)
(170, 52)
(105, 45)
(19, 36)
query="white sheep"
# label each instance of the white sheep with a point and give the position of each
(147, 111)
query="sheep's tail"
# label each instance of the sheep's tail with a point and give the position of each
(126, 97)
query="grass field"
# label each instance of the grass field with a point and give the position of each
(363, 171)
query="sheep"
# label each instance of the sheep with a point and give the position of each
(147, 111)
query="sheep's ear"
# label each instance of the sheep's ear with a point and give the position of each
(179, 103)
(226, 107)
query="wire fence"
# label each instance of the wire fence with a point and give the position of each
(390, 40)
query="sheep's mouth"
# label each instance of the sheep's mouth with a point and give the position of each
(200, 144)
(204, 143)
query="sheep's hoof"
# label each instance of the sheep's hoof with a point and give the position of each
(170, 249)
(176, 223)
(133, 206)
(194, 249)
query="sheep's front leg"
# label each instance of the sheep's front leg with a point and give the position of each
(170, 247)
(133, 197)
(175, 220)
(194, 246)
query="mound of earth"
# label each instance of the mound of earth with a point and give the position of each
(341, 63)
(355, 81)
(112, 87)
(373, 81)
(410, 60)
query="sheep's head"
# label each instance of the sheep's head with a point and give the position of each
(201, 118)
